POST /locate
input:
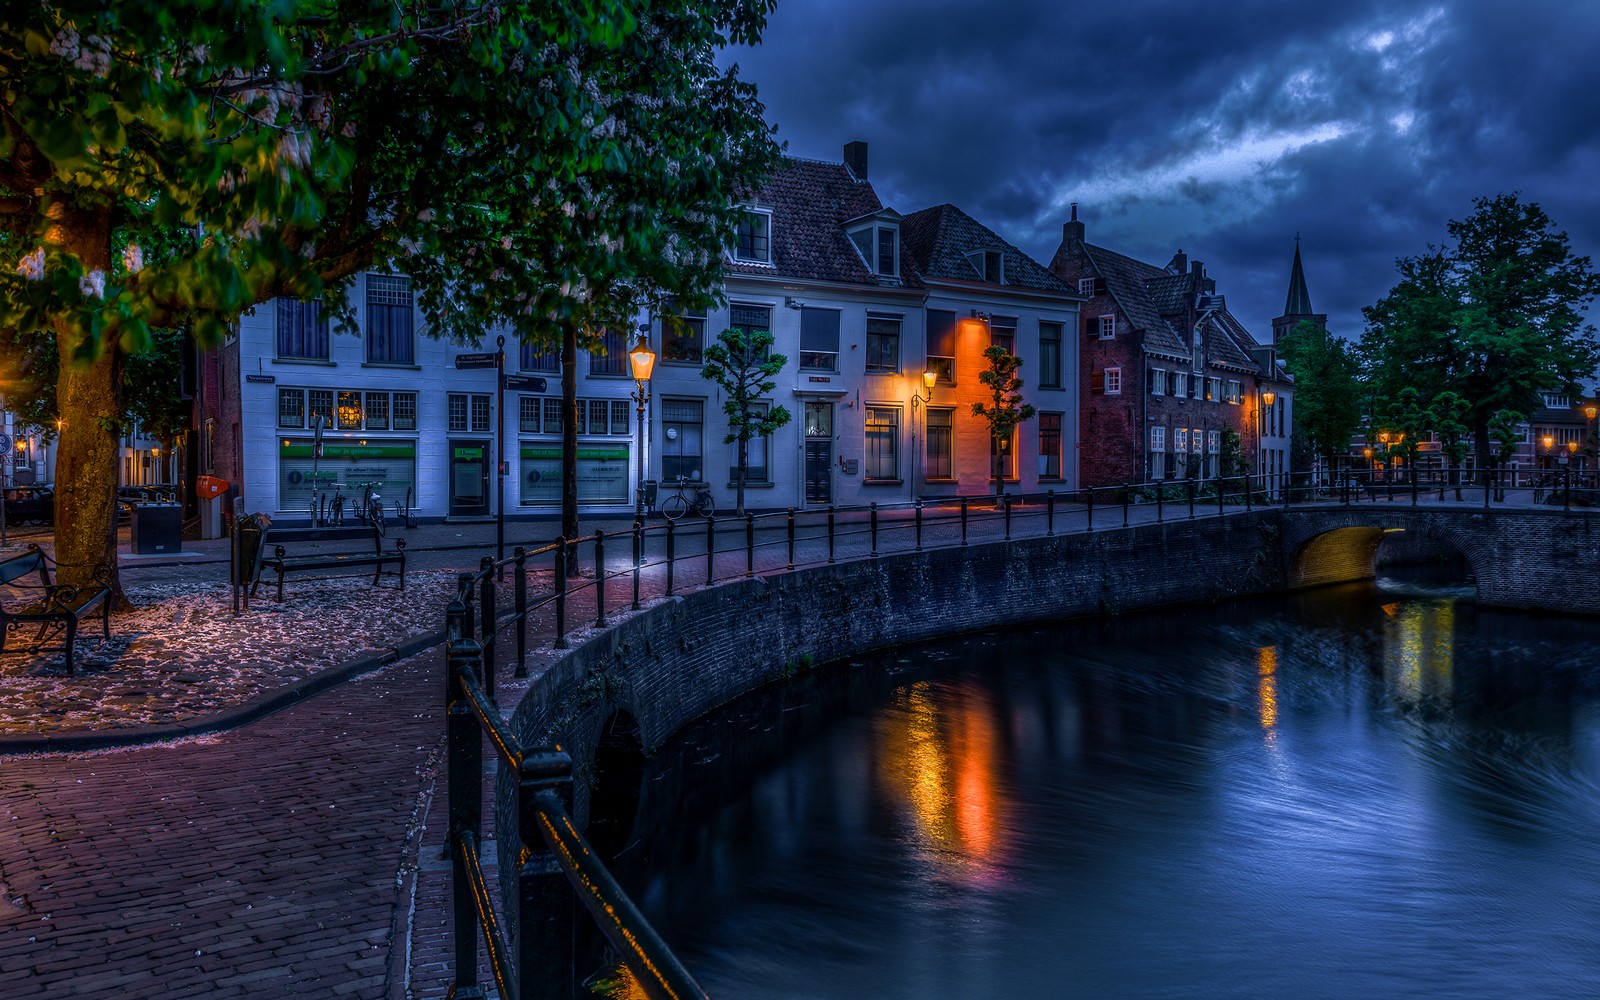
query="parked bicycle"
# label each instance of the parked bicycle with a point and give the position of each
(688, 498)
(370, 509)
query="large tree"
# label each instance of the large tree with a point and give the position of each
(536, 168)
(1495, 317)
(1327, 389)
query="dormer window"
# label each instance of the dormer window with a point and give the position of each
(877, 240)
(990, 265)
(752, 240)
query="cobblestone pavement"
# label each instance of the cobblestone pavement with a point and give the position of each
(298, 855)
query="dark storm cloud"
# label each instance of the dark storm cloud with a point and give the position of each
(1223, 129)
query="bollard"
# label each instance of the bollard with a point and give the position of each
(486, 622)
(1161, 490)
(711, 548)
(561, 593)
(1049, 512)
(638, 560)
(749, 545)
(919, 525)
(519, 593)
(963, 522)
(873, 519)
(600, 579)
(1088, 507)
(791, 538)
(672, 555)
(1005, 506)
(830, 534)
(1127, 503)
(1189, 485)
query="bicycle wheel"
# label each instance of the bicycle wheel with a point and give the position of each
(704, 506)
(674, 507)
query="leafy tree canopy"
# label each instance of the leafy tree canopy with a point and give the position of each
(740, 363)
(1005, 410)
(1327, 387)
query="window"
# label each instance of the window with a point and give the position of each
(405, 411)
(536, 358)
(1105, 327)
(377, 411)
(291, 407)
(819, 338)
(1003, 333)
(990, 265)
(1113, 381)
(1008, 455)
(610, 355)
(1085, 286)
(1214, 389)
(1180, 383)
(552, 415)
(468, 411)
(883, 343)
(682, 424)
(349, 411)
(1049, 446)
(1235, 391)
(302, 330)
(1180, 446)
(1049, 355)
(757, 452)
(883, 443)
(750, 319)
(1213, 454)
(1196, 447)
(1158, 453)
(888, 252)
(940, 464)
(1158, 381)
(319, 404)
(752, 240)
(683, 337)
(1556, 401)
(528, 414)
(942, 344)
(389, 315)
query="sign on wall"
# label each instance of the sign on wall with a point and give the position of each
(345, 467)
(602, 474)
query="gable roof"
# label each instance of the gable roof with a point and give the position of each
(937, 240)
(810, 203)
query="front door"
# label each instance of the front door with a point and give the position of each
(469, 478)
(819, 453)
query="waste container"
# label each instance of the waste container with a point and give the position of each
(157, 528)
(251, 529)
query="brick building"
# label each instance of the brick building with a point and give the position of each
(1170, 382)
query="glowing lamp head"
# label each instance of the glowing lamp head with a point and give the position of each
(929, 377)
(1367, 452)
(1590, 410)
(1268, 397)
(1383, 436)
(642, 359)
(1549, 440)
(1572, 446)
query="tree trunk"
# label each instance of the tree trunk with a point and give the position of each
(569, 444)
(89, 401)
(1480, 442)
(744, 459)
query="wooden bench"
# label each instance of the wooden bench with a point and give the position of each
(55, 608)
(327, 549)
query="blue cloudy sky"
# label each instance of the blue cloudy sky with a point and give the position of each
(1220, 128)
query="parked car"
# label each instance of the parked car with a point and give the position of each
(30, 505)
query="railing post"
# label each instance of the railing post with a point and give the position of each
(1413, 482)
(963, 522)
(749, 544)
(1488, 486)
(711, 548)
(672, 554)
(830, 534)
(1049, 512)
(469, 621)
(872, 518)
(1005, 506)
(791, 538)
(1127, 503)
(487, 614)
(464, 770)
(600, 579)
(1248, 490)
(1088, 506)
(638, 560)
(1190, 486)
(561, 593)
(1161, 490)
(519, 592)
(1566, 476)
(919, 525)
(546, 907)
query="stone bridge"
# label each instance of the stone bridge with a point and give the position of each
(1532, 558)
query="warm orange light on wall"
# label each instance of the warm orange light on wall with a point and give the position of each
(1268, 396)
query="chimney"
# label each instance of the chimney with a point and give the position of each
(1197, 269)
(855, 159)
(1179, 263)
(1072, 231)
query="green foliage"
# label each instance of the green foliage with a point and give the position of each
(1496, 319)
(740, 363)
(1005, 411)
(1506, 434)
(1327, 396)
(1230, 459)
(1447, 416)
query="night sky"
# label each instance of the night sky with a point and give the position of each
(1220, 128)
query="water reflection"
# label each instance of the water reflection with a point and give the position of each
(1387, 792)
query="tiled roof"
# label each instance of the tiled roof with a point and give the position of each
(938, 240)
(1227, 342)
(810, 202)
(1128, 281)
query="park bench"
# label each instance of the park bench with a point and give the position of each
(327, 551)
(54, 608)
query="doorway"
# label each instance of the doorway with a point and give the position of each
(819, 454)
(469, 478)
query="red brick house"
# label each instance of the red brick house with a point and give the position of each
(1166, 371)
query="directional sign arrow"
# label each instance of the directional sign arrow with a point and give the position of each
(527, 383)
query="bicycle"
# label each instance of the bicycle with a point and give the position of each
(370, 509)
(679, 504)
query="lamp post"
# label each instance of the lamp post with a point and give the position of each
(1548, 439)
(1589, 413)
(929, 377)
(642, 360)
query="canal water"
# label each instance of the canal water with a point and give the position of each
(1367, 791)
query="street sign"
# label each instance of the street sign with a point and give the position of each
(527, 383)
(483, 360)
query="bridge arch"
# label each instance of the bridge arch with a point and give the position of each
(615, 784)
(1349, 547)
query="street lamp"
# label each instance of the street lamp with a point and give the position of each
(642, 360)
(929, 377)
(1549, 439)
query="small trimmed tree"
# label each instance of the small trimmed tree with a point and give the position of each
(1006, 410)
(1448, 416)
(740, 363)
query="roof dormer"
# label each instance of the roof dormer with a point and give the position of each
(752, 236)
(990, 265)
(876, 238)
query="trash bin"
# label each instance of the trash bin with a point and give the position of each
(157, 528)
(651, 487)
(251, 529)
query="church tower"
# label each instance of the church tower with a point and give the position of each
(1297, 308)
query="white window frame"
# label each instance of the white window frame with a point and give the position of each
(1158, 452)
(1113, 381)
(1179, 384)
(1158, 382)
(733, 251)
(1106, 326)
(979, 259)
(1085, 286)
